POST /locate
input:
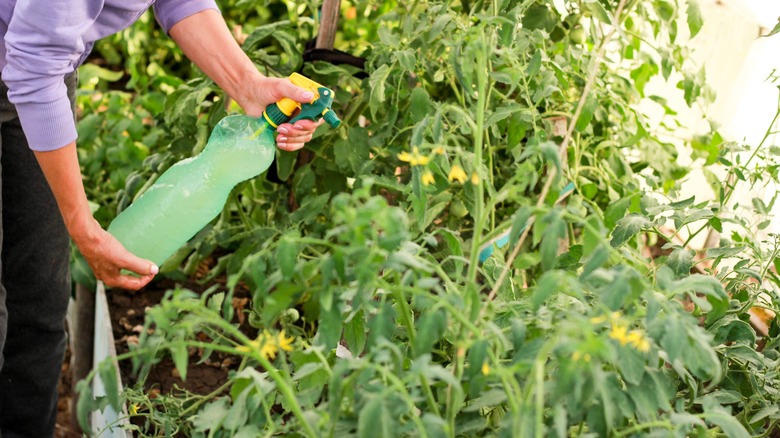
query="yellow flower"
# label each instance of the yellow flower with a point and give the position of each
(598, 319)
(586, 358)
(619, 333)
(576, 356)
(405, 157)
(638, 340)
(457, 173)
(474, 178)
(134, 409)
(427, 178)
(438, 150)
(414, 159)
(485, 369)
(285, 343)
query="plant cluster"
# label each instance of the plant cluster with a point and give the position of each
(377, 306)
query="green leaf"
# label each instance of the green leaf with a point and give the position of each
(587, 113)
(730, 425)
(211, 416)
(435, 426)
(419, 105)
(549, 284)
(180, 357)
(374, 420)
(355, 333)
(476, 358)
(108, 376)
(286, 255)
(553, 233)
(430, 327)
(596, 260)
(535, 64)
(628, 227)
(598, 11)
(491, 398)
(681, 261)
(775, 30)
(695, 21)
(616, 210)
(732, 329)
(519, 223)
(377, 82)
(237, 414)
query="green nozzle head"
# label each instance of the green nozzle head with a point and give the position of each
(319, 108)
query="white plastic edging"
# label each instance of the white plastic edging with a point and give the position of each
(109, 423)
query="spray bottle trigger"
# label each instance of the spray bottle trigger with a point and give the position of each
(319, 108)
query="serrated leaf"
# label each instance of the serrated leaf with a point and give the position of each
(420, 104)
(681, 261)
(377, 82)
(598, 11)
(108, 376)
(180, 357)
(553, 233)
(211, 416)
(535, 64)
(628, 227)
(730, 425)
(374, 420)
(695, 21)
(587, 113)
(355, 333)
(775, 30)
(519, 223)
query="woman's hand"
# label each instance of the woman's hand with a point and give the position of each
(205, 39)
(265, 91)
(108, 258)
(104, 254)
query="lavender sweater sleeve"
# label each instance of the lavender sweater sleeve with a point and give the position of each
(47, 40)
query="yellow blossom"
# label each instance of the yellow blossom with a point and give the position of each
(438, 150)
(405, 156)
(267, 345)
(619, 333)
(638, 340)
(457, 174)
(427, 178)
(284, 342)
(576, 356)
(586, 357)
(485, 369)
(598, 319)
(134, 409)
(414, 159)
(474, 178)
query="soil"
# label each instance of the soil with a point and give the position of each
(127, 309)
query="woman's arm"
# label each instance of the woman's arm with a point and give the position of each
(206, 40)
(105, 255)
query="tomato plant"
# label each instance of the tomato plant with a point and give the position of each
(477, 121)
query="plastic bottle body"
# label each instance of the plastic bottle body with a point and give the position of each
(193, 191)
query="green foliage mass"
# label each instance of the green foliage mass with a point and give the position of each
(595, 319)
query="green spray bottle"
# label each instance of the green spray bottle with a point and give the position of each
(193, 191)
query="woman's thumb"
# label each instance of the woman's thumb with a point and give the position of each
(294, 92)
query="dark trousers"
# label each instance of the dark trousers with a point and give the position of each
(34, 285)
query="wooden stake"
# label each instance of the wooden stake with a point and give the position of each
(329, 20)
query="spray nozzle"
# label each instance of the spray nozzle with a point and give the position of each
(320, 107)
